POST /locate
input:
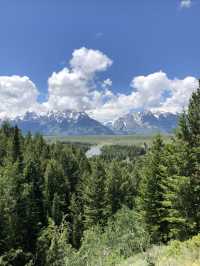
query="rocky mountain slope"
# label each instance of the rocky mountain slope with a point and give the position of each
(61, 123)
(71, 122)
(144, 122)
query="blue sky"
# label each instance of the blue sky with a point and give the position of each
(141, 37)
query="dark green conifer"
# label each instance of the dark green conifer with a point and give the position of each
(96, 202)
(152, 191)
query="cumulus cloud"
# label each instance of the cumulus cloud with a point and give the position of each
(151, 87)
(186, 3)
(17, 95)
(78, 87)
(74, 87)
(88, 61)
(181, 91)
(154, 92)
(107, 83)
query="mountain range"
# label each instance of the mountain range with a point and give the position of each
(71, 122)
(145, 122)
(68, 122)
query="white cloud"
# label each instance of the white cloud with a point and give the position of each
(186, 3)
(75, 88)
(107, 83)
(88, 61)
(17, 95)
(155, 92)
(181, 91)
(150, 89)
(78, 87)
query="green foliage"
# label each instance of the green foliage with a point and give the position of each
(120, 153)
(189, 133)
(152, 192)
(189, 124)
(170, 186)
(42, 182)
(16, 153)
(55, 189)
(122, 185)
(16, 258)
(52, 245)
(76, 215)
(123, 236)
(176, 253)
(95, 194)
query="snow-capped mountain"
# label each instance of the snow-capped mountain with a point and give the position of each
(144, 122)
(68, 122)
(71, 122)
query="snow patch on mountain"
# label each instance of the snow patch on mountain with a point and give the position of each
(68, 122)
(144, 122)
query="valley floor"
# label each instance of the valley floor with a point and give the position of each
(109, 139)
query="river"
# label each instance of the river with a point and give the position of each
(94, 151)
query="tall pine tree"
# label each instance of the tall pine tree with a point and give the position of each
(152, 193)
(96, 203)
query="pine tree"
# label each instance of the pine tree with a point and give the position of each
(6, 132)
(29, 147)
(194, 117)
(35, 207)
(189, 133)
(83, 162)
(15, 203)
(40, 151)
(96, 203)
(183, 131)
(76, 220)
(193, 190)
(189, 123)
(55, 183)
(115, 187)
(152, 193)
(71, 169)
(16, 149)
(56, 209)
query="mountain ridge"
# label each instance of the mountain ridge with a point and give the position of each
(71, 122)
(145, 122)
(68, 122)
